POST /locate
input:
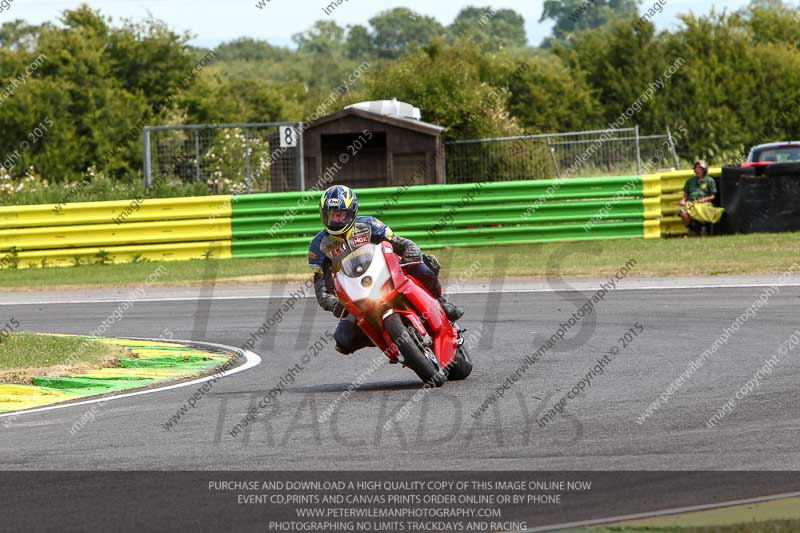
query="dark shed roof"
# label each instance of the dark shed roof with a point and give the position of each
(415, 125)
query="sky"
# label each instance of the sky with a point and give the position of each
(215, 21)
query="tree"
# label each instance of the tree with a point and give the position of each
(359, 43)
(619, 61)
(491, 29)
(772, 21)
(732, 93)
(76, 89)
(546, 96)
(325, 37)
(396, 29)
(451, 92)
(149, 58)
(18, 34)
(322, 50)
(247, 49)
(213, 100)
(571, 16)
(99, 83)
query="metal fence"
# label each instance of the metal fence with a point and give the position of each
(574, 154)
(268, 157)
(259, 157)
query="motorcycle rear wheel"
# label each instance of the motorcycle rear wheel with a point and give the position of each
(413, 353)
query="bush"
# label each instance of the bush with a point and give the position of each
(32, 189)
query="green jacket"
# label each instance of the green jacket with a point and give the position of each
(695, 188)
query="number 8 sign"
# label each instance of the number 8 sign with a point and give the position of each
(288, 135)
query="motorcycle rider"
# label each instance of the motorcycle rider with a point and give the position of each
(345, 231)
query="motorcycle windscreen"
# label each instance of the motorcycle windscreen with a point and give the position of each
(363, 273)
(358, 261)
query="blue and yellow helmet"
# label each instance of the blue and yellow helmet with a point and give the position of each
(337, 209)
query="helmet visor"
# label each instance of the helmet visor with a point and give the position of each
(336, 219)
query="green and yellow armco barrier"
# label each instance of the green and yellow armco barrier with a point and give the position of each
(169, 229)
(150, 363)
(669, 186)
(282, 224)
(460, 215)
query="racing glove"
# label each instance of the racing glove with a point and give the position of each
(406, 249)
(322, 289)
(339, 310)
(432, 262)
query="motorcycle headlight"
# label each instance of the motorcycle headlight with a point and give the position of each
(380, 295)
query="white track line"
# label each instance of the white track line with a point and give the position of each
(652, 514)
(470, 291)
(252, 360)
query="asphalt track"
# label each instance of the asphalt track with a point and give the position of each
(599, 430)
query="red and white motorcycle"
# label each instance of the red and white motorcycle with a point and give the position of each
(400, 316)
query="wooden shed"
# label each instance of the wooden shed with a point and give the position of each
(395, 151)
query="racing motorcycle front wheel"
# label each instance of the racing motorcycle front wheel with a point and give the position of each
(461, 367)
(410, 346)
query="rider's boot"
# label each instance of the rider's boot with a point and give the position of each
(341, 350)
(452, 311)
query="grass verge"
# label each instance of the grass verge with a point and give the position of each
(731, 255)
(770, 526)
(24, 356)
